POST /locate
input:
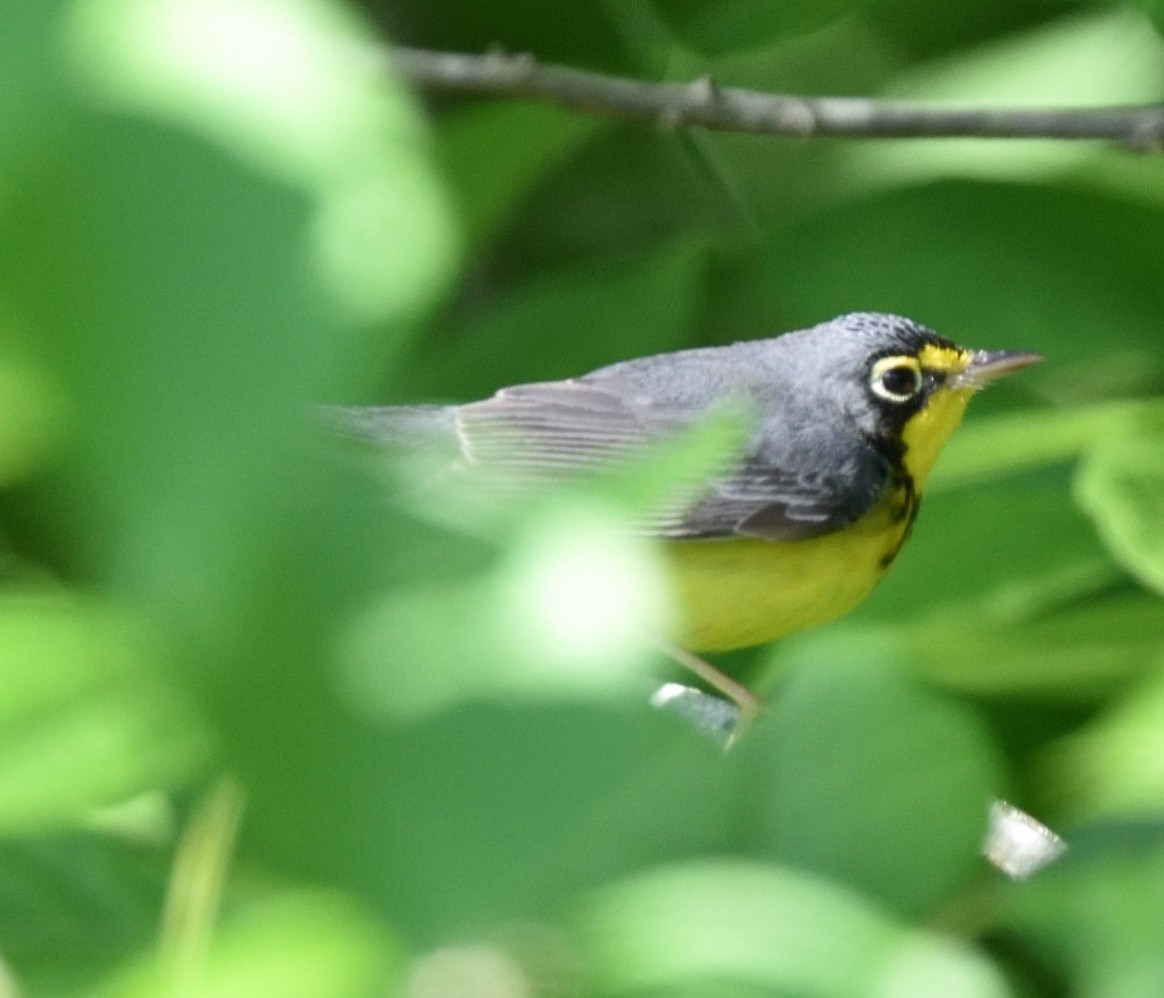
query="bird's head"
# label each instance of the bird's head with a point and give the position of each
(904, 385)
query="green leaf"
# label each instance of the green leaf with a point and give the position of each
(1093, 922)
(593, 315)
(734, 25)
(1113, 767)
(1079, 652)
(493, 154)
(1121, 486)
(167, 284)
(561, 616)
(293, 95)
(31, 420)
(1057, 302)
(1106, 56)
(862, 777)
(1155, 11)
(511, 809)
(296, 945)
(1003, 551)
(713, 928)
(87, 719)
(74, 906)
(1000, 445)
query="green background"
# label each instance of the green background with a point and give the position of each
(264, 731)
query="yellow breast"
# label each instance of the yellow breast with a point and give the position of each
(740, 592)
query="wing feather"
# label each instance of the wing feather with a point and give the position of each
(557, 430)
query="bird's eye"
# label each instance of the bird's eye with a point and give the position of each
(896, 379)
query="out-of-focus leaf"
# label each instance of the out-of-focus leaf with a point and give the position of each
(1004, 551)
(74, 906)
(1094, 923)
(85, 719)
(565, 600)
(1078, 652)
(592, 315)
(1000, 445)
(744, 24)
(1110, 57)
(171, 291)
(29, 111)
(563, 616)
(1114, 768)
(962, 280)
(578, 34)
(1155, 11)
(290, 86)
(31, 418)
(871, 781)
(747, 928)
(1121, 485)
(291, 946)
(494, 804)
(494, 154)
(151, 313)
(482, 815)
(920, 32)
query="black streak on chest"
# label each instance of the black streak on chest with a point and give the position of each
(906, 503)
(903, 497)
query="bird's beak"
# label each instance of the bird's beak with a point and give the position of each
(986, 366)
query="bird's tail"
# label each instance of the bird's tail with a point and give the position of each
(403, 426)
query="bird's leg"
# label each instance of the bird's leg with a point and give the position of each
(745, 700)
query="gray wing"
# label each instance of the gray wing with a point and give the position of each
(542, 433)
(760, 499)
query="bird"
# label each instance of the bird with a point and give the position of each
(843, 424)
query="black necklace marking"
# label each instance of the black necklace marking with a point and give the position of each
(902, 491)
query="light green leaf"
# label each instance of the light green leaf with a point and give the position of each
(1121, 486)
(86, 719)
(1106, 56)
(1001, 445)
(32, 414)
(297, 88)
(562, 616)
(292, 946)
(714, 928)
(1078, 652)
(1095, 922)
(1115, 767)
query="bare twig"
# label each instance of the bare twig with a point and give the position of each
(705, 105)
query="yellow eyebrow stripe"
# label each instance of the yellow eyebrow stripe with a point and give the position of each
(944, 360)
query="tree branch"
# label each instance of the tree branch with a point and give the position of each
(705, 105)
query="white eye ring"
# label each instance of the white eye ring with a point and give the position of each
(896, 379)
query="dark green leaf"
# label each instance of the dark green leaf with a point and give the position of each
(864, 778)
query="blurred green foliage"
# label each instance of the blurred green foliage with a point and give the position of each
(446, 779)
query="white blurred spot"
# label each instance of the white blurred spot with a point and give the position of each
(710, 715)
(467, 972)
(1017, 844)
(670, 691)
(583, 594)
